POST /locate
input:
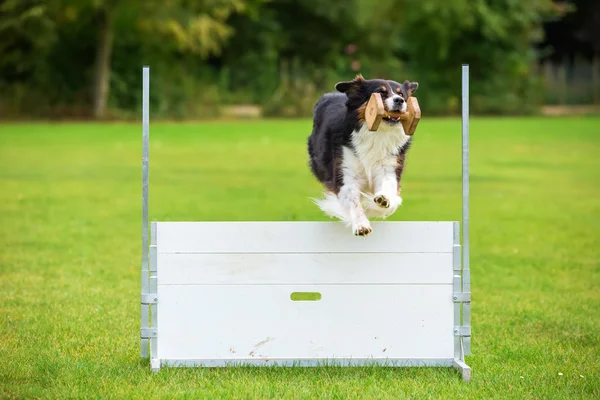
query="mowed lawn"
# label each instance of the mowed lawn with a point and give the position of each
(70, 253)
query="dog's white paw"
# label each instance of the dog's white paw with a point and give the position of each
(362, 228)
(384, 201)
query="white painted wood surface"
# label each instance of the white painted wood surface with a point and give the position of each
(305, 268)
(224, 291)
(302, 237)
(253, 321)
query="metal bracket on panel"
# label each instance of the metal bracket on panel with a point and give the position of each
(462, 297)
(148, 333)
(153, 261)
(149, 298)
(462, 331)
(456, 257)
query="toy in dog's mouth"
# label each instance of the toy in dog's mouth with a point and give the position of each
(393, 117)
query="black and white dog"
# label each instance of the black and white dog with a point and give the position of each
(360, 169)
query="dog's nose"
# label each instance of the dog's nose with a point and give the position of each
(398, 100)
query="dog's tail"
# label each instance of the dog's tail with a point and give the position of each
(332, 207)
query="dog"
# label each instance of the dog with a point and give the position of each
(360, 169)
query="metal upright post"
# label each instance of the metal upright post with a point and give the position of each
(466, 268)
(145, 144)
(462, 295)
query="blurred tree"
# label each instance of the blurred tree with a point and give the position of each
(196, 27)
(288, 54)
(577, 34)
(26, 32)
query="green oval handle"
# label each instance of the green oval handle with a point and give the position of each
(305, 296)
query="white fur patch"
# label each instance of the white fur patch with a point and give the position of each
(332, 207)
(368, 171)
(374, 150)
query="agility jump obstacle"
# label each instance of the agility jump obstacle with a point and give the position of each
(306, 293)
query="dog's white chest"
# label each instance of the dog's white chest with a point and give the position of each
(378, 149)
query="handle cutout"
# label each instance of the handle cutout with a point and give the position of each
(305, 296)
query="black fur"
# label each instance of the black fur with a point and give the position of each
(337, 115)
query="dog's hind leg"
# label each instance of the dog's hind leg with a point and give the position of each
(346, 204)
(350, 201)
(353, 181)
(347, 207)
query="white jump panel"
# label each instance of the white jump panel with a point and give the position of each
(261, 322)
(302, 237)
(228, 293)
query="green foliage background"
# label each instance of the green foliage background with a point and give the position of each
(279, 54)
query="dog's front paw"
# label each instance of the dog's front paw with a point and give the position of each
(362, 229)
(382, 201)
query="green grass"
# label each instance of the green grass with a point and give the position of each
(70, 245)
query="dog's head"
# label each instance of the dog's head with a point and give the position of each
(393, 94)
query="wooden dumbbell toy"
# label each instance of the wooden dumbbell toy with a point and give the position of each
(375, 112)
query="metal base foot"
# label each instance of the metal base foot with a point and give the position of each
(155, 365)
(464, 369)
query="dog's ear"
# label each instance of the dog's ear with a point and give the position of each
(350, 86)
(408, 88)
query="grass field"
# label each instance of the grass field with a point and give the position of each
(70, 247)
